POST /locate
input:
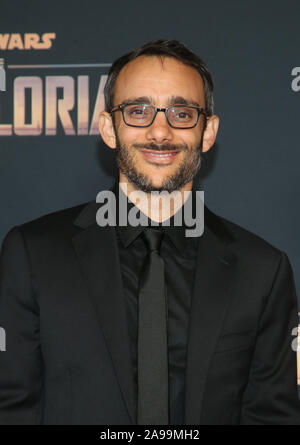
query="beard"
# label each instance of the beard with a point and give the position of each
(184, 173)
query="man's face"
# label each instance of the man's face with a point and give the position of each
(162, 85)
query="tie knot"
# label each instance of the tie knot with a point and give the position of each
(153, 238)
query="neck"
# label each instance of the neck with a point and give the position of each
(158, 206)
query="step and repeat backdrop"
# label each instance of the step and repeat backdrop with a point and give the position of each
(54, 59)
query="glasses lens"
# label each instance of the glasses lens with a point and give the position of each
(139, 115)
(182, 117)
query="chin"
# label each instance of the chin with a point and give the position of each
(158, 183)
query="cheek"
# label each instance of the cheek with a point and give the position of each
(190, 139)
(130, 135)
(196, 137)
(120, 127)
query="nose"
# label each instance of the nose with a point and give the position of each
(160, 131)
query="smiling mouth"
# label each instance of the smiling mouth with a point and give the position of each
(160, 157)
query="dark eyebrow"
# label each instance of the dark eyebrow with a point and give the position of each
(138, 100)
(174, 100)
(178, 100)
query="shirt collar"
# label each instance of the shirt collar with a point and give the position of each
(176, 234)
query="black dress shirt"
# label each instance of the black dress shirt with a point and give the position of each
(179, 255)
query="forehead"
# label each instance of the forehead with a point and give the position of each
(160, 79)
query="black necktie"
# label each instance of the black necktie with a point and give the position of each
(152, 337)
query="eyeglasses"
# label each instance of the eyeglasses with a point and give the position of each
(143, 115)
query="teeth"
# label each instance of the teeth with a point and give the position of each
(161, 155)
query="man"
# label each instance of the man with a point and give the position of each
(130, 324)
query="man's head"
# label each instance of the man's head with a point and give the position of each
(162, 74)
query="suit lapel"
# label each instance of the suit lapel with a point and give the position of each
(97, 252)
(211, 294)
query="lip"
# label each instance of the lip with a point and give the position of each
(153, 156)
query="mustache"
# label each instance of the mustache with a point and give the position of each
(165, 147)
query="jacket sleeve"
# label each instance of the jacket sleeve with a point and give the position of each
(271, 396)
(21, 361)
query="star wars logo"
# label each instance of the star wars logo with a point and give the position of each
(28, 41)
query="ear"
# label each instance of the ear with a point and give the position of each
(106, 129)
(210, 132)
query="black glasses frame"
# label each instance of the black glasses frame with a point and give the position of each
(164, 110)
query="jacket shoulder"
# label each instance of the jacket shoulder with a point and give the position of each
(245, 241)
(54, 223)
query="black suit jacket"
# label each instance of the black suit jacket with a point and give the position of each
(67, 358)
